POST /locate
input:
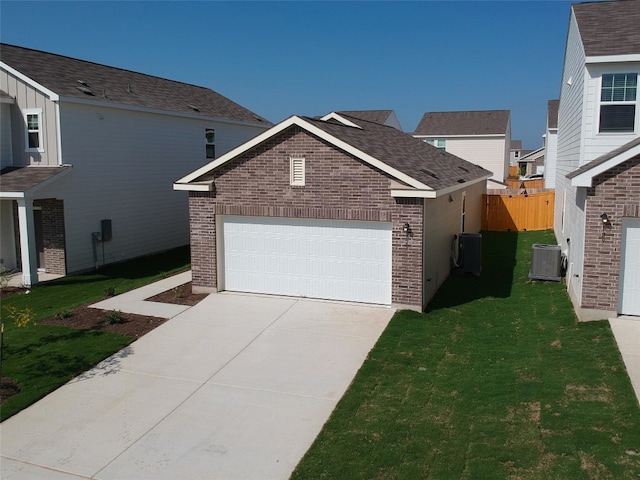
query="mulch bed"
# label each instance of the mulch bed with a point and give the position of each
(85, 317)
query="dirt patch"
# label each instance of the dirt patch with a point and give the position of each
(181, 295)
(6, 292)
(8, 387)
(96, 319)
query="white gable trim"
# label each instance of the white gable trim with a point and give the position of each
(585, 179)
(341, 119)
(295, 120)
(634, 57)
(52, 95)
(414, 193)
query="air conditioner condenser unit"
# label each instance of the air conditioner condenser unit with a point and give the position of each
(546, 262)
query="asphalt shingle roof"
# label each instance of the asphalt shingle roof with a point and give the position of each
(552, 113)
(22, 179)
(484, 122)
(609, 28)
(427, 164)
(73, 78)
(377, 116)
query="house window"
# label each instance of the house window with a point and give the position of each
(618, 102)
(297, 171)
(34, 140)
(437, 142)
(210, 142)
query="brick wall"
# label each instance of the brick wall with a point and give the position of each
(52, 232)
(616, 193)
(337, 187)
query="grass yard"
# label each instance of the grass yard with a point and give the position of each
(496, 381)
(41, 358)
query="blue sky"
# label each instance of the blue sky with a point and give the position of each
(310, 58)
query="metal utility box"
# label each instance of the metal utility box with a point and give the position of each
(106, 230)
(470, 251)
(546, 262)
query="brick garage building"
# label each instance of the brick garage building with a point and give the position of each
(339, 208)
(611, 270)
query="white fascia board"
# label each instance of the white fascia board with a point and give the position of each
(585, 179)
(194, 187)
(633, 57)
(9, 100)
(52, 95)
(486, 135)
(295, 120)
(415, 193)
(120, 106)
(11, 195)
(341, 119)
(529, 156)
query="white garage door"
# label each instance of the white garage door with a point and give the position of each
(338, 260)
(630, 267)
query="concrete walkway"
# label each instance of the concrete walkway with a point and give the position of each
(626, 330)
(236, 387)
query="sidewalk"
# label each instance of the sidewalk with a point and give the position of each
(626, 331)
(135, 300)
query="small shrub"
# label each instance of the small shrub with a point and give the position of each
(64, 314)
(114, 317)
(178, 292)
(21, 317)
(110, 291)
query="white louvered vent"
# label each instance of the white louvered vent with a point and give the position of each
(297, 171)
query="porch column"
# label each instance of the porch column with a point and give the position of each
(27, 242)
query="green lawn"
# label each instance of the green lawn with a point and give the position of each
(41, 358)
(497, 380)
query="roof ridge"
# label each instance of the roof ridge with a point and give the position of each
(101, 65)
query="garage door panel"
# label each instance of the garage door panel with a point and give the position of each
(630, 267)
(313, 258)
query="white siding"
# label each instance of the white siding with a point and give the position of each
(27, 97)
(124, 164)
(491, 153)
(597, 144)
(6, 154)
(442, 220)
(550, 158)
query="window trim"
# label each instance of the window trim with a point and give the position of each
(297, 171)
(38, 112)
(601, 103)
(440, 143)
(208, 144)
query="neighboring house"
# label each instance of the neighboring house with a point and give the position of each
(551, 144)
(89, 154)
(531, 162)
(481, 137)
(515, 152)
(597, 218)
(383, 117)
(336, 208)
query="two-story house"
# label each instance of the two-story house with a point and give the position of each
(480, 137)
(89, 154)
(597, 206)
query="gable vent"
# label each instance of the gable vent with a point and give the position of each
(429, 172)
(297, 171)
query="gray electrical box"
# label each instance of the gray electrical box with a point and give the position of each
(546, 262)
(106, 230)
(470, 253)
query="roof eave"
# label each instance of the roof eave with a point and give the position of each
(29, 81)
(194, 187)
(585, 178)
(632, 57)
(422, 193)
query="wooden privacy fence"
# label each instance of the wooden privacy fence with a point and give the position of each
(514, 184)
(517, 211)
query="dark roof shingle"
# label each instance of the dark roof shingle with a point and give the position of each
(377, 116)
(73, 78)
(22, 179)
(484, 122)
(609, 28)
(413, 157)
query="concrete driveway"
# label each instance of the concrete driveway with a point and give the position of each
(237, 387)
